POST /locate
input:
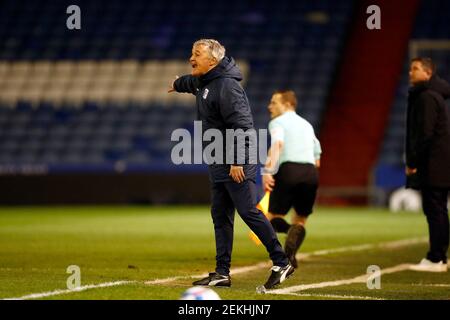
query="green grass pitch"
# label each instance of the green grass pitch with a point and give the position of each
(141, 244)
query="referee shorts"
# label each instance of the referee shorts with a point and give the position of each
(295, 186)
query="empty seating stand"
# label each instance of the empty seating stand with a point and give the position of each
(96, 97)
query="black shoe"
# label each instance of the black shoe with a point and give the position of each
(279, 274)
(214, 280)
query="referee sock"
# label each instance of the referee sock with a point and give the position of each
(280, 225)
(294, 240)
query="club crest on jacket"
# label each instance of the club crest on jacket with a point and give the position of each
(205, 93)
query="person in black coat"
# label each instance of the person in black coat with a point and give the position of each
(428, 156)
(223, 105)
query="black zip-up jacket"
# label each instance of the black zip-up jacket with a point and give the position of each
(428, 134)
(221, 104)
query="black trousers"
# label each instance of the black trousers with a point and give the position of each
(434, 203)
(228, 196)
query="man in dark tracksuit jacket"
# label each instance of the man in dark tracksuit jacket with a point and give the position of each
(428, 156)
(222, 104)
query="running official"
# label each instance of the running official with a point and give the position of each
(295, 152)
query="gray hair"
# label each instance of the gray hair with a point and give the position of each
(216, 50)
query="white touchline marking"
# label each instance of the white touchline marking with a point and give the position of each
(166, 280)
(384, 245)
(302, 256)
(444, 285)
(360, 279)
(336, 296)
(78, 289)
(233, 272)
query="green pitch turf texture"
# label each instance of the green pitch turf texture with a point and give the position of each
(141, 244)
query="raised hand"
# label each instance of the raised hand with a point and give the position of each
(171, 88)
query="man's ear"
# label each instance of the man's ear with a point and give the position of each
(213, 62)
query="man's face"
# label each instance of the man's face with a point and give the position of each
(201, 61)
(417, 73)
(276, 107)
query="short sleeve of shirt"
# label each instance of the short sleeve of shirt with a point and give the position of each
(276, 132)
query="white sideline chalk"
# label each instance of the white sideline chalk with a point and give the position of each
(360, 279)
(78, 289)
(302, 256)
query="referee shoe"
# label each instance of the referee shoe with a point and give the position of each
(214, 279)
(278, 275)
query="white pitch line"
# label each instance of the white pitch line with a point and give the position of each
(232, 272)
(359, 279)
(301, 256)
(334, 296)
(384, 245)
(444, 285)
(78, 289)
(166, 280)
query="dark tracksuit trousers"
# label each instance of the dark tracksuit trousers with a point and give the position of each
(228, 196)
(434, 203)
